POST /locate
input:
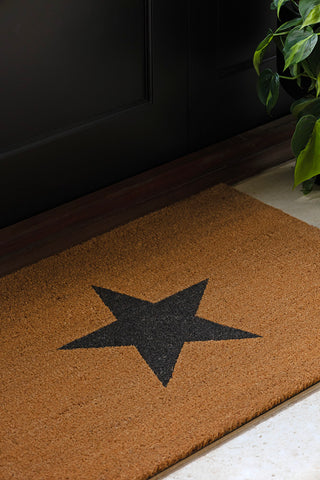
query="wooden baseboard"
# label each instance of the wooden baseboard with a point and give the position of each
(229, 161)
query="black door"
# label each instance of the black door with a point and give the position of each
(94, 91)
(91, 92)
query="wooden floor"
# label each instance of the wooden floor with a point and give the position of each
(229, 161)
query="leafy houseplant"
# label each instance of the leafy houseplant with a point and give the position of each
(297, 41)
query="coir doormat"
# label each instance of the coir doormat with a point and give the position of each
(129, 352)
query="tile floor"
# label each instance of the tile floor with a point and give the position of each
(283, 444)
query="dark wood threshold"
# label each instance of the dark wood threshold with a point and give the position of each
(229, 161)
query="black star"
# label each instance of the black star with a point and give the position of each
(157, 330)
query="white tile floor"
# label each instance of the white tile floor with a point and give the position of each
(283, 444)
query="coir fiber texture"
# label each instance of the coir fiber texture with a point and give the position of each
(124, 354)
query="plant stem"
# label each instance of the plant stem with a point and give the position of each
(297, 76)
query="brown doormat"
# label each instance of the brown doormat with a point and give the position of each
(129, 352)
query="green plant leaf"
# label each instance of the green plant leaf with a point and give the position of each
(288, 25)
(309, 11)
(298, 45)
(318, 85)
(308, 68)
(302, 133)
(295, 71)
(307, 185)
(306, 106)
(312, 108)
(308, 161)
(260, 51)
(279, 5)
(268, 88)
(313, 60)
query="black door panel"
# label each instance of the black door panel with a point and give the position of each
(66, 63)
(101, 98)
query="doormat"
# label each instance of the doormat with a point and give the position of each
(129, 352)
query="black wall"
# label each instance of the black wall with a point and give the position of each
(94, 91)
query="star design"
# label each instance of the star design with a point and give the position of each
(158, 330)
